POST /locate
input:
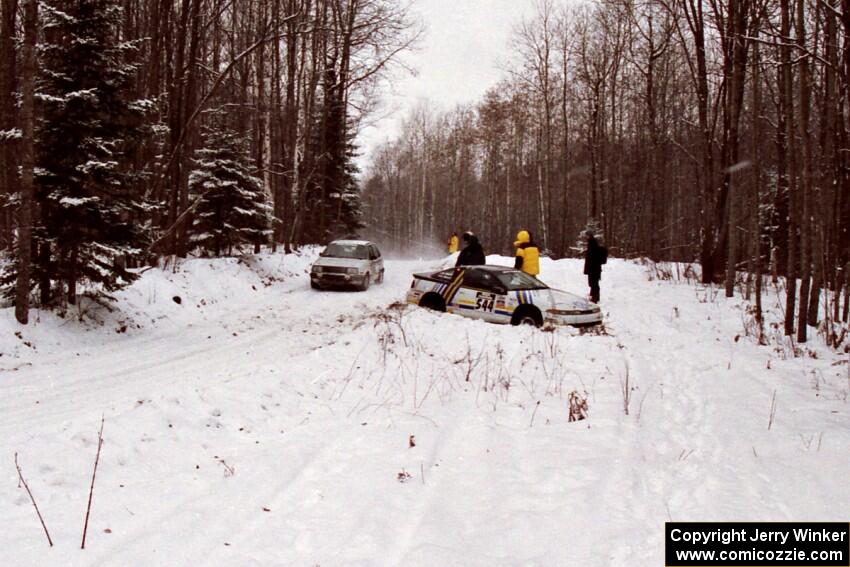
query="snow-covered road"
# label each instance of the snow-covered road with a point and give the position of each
(258, 422)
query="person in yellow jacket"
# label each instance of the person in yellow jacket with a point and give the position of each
(453, 243)
(527, 254)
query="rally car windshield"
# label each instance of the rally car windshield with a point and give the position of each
(356, 251)
(517, 280)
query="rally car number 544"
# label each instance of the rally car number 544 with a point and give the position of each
(500, 295)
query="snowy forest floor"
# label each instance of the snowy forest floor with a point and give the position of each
(258, 422)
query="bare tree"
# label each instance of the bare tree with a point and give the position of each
(27, 162)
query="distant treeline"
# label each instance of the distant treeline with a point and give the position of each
(698, 130)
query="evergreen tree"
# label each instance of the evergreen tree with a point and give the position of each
(233, 209)
(333, 199)
(91, 125)
(349, 218)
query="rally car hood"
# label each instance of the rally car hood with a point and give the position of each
(571, 301)
(340, 262)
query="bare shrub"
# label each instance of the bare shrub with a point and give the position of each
(599, 330)
(707, 293)
(671, 271)
(22, 482)
(658, 271)
(392, 317)
(469, 362)
(578, 406)
(626, 389)
(91, 489)
(752, 326)
(772, 415)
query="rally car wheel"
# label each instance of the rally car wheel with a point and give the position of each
(433, 301)
(366, 282)
(380, 279)
(527, 316)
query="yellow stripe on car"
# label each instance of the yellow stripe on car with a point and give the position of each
(453, 287)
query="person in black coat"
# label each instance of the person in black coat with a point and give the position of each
(593, 260)
(472, 253)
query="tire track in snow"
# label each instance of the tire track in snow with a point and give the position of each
(70, 393)
(105, 380)
(107, 387)
(233, 526)
(445, 448)
(664, 460)
(681, 461)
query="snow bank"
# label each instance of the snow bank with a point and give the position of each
(166, 299)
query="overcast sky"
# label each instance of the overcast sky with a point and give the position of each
(458, 59)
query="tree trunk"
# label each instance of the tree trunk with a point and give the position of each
(755, 193)
(73, 262)
(8, 86)
(738, 18)
(787, 141)
(22, 287)
(806, 178)
(845, 316)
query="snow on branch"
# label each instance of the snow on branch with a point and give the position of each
(9, 135)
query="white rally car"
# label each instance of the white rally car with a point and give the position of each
(346, 263)
(500, 295)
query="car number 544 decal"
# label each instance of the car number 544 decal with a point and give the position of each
(485, 301)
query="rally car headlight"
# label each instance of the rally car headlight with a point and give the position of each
(352, 270)
(564, 311)
(317, 269)
(589, 311)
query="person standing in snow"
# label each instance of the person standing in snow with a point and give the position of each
(472, 253)
(453, 243)
(594, 257)
(527, 254)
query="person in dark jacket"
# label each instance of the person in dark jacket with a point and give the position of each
(472, 253)
(593, 260)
